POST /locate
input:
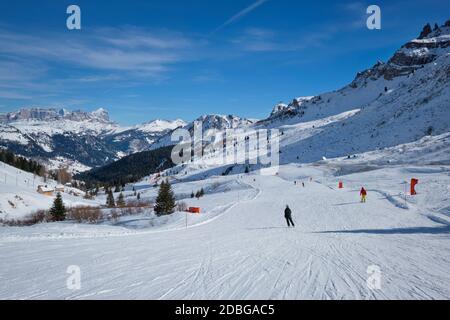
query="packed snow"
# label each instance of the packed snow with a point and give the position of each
(240, 248)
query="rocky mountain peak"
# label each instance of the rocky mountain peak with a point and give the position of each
(54, 114)
(101, 114)
(425, 31)
(413, 55)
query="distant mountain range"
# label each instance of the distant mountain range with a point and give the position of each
(76, 138)
(392, 103)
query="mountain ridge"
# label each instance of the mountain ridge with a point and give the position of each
(408, 92)
(60, 137)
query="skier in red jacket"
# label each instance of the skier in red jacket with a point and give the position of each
(363, 194)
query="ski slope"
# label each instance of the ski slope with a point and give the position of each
(244, 251)
(19, 197)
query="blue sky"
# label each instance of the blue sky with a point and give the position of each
(143, 60)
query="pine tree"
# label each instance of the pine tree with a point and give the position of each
(110, 200)
(58, 211)
(202, 192)
(139, 196)
(192, 194)
(121, 200)
(165, 201)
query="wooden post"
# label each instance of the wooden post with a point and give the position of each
(406, 188)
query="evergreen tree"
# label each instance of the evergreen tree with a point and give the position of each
(121, 200)
(165, 201)
(58, 211)
(110, 200)
(202, 192)
(21, 162)
(139, 196)
(117, 188)
(192, 194)
(247, 169)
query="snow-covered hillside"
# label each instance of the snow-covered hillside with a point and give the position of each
(398, 102)
(19, 196)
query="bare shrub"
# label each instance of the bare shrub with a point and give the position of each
(127, 211)
(132, 211)
(139, 204)
(114, 215)
(36, 217)
(182, 206)
(139, 210)
(84, 214)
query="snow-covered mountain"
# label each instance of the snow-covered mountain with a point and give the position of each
(392, 103)
(53, 114)
(208, 122)
(160, 125)
(62, 137)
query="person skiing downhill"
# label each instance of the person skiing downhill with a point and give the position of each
(363, 195)
(288, 216)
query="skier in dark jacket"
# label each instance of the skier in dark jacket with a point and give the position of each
(288, 216)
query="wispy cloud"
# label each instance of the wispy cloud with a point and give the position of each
(121, 49)
(7, 94)
(265, 40)
(241, 14)
(208, 76)
(356, 12)
(49, 64)
(258, 40)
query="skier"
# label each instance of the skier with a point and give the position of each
(288, 216)
(363, 194)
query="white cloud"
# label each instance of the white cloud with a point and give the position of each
(121, 49)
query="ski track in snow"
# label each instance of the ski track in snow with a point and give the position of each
(246, 252)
